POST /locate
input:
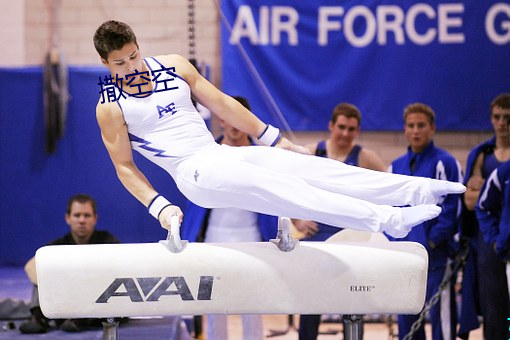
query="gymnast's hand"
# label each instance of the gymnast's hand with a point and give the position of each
(286, 144)
(166, 215)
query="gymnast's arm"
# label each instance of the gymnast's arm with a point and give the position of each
(224, 106)
(115, 138)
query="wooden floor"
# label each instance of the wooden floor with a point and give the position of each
(159, 329)
(279, 323)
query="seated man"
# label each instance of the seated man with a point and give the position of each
(81, 216)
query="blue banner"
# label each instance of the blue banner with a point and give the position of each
(35, 185)
(295, 60)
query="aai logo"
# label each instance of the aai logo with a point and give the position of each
(152, 288)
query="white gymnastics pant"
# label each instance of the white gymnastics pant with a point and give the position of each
(278, 182)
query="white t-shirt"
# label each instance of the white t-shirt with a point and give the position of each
(232, 225)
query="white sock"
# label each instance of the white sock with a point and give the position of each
(412, 216)
(442, 188)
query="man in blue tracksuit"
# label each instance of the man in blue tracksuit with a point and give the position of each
(424, 159)
(484, 278)
(469, 230)
(493, 212)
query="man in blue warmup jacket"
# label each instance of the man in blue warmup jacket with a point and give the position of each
(493, 211)
(424, 159)
(493, 215)
(484, 279)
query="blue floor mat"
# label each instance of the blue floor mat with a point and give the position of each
(14, 284)
(134, 329)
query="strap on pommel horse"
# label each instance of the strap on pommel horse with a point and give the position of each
(352, 273)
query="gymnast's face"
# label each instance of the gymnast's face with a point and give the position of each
(82, 221)
(419, 131)
(344, 131)
(125, 61)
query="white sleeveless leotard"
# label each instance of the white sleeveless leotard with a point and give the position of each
(164, 126)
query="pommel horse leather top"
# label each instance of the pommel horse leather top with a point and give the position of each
(123, 280)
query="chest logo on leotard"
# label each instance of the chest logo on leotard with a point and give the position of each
(196, 175)
(169, 109)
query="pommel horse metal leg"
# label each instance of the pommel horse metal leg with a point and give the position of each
(353, 327)
(110, 329)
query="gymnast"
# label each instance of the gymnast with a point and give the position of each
(156, 117)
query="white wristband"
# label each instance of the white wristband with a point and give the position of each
(157, 205)
(270, 136)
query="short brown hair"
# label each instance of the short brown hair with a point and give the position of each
(503, 101)
(420, 108)
(112, 35)
(81, 198)
(348, 110)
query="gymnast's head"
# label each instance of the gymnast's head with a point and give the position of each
(111, 36)
(116, 44)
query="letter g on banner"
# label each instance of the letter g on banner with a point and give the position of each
(498, 35)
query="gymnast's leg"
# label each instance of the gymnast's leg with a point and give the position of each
(331, 175)
(229, 182)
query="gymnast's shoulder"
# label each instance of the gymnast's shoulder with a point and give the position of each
(108, 112)
(180, 65)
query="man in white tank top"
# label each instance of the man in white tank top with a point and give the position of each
(229, 225)
(155, 116)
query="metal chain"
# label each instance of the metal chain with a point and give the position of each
(459, 265)
(191, 30)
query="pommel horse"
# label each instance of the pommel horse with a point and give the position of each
(173, 277)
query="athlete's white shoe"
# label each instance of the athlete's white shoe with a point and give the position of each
(412, 216)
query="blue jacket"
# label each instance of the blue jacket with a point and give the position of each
(195, 217)
(469, 223)
(493, 210)
(434, 163)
